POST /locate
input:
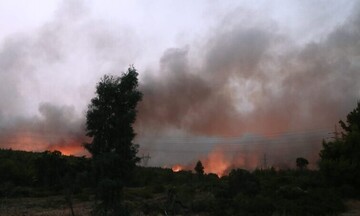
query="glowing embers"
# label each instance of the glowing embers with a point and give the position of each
(177, 168)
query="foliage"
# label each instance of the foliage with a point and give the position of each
(17, 167)
(50, 167)
(109, 120)
(20, 171)
(242, 181)
(261, 192)
(110, 117)
(199, 168)
(340, 159)
(301, 163)
(259, 205)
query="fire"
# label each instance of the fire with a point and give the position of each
(37, 142)
(177, 168)
(216, 162)
(71, 149)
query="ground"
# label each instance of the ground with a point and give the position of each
(353, 208)
(57, 206)
(49, 206)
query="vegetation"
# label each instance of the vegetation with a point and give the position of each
(340, 159)
(199, 168)
(109, 123)
(153, 191)
(301, 163)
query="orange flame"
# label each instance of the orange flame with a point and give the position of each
(221, 162)
(34, 142)
(177, 168)
(75, 149)
(216, 162)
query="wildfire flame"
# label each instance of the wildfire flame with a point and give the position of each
(34, 142)
(177, 168)
(220, 162)
(216, 162)
(71, 149)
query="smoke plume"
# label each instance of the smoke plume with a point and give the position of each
(251, 79)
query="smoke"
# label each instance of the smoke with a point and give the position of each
(48, 77)
(55, 128)
(244, 91)
(250, 78)
(251, 74)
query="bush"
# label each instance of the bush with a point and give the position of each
(203, 202)
(291, 192)
(348, 191)
(242, 181)
(259, 205)
(158, 188)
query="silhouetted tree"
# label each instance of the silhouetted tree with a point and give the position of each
(199, 168)
(352, 121)
(110, 116)
(301, 163)
(340, 158)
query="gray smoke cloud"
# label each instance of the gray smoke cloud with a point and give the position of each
(48, 77)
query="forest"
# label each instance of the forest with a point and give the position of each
(155, 191)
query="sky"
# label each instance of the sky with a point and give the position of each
(227, 82)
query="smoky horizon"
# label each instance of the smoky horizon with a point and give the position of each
(235, 85)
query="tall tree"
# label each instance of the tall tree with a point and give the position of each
(199, 168)
(109, 121)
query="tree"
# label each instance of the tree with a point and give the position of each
(199, 168)
(301, 163)
(353, 120)
(340, 158)
(109, 121)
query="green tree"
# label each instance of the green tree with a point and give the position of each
(199, 168)
(301, 163)
(340, 158)
(109, 121)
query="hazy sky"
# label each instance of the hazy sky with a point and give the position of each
(207, 69)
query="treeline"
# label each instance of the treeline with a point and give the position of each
(21, 170)
(261, 192)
